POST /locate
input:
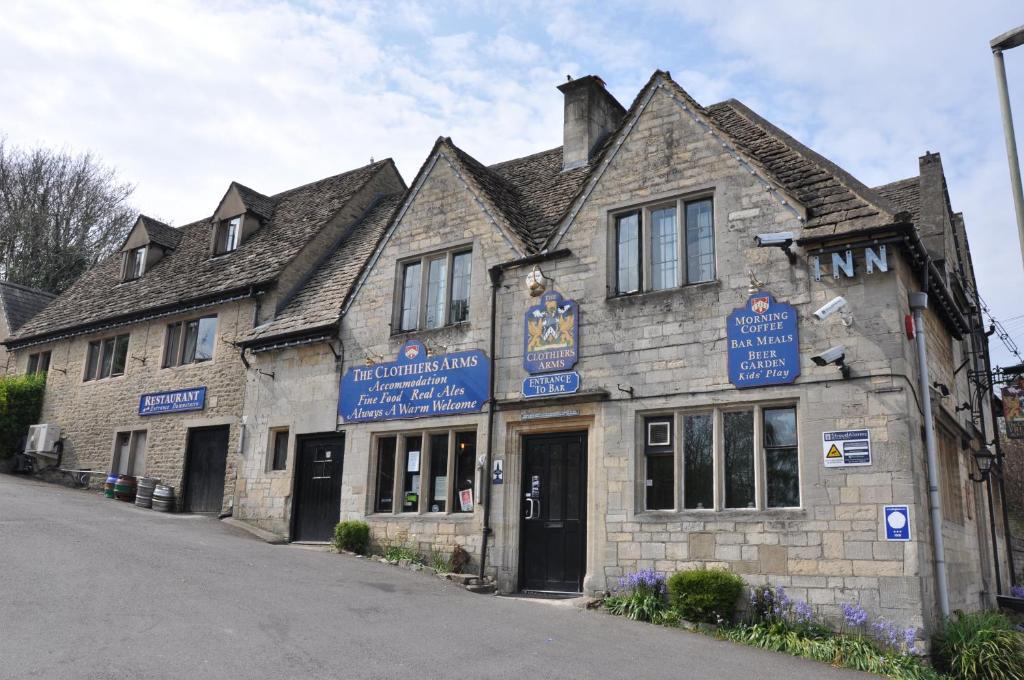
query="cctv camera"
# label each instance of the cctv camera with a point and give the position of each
(778, 239)
(830, 308)
(833, 355)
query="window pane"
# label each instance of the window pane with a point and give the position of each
(280, 450)
(92, 360)
(107, 358)
(779, 427)
(660, 481)
(411, 480)
(437, 282)
(438, 473)
(385, 474)
(627, 236)
(739, 459)
(136, 262)
(44, 362)
(783, 478)
(173, 342)
(465, 472)
(234, 232)
(700, 242)
(120, 355)
(698, 462)
(138, 466)
(188, 355)
(33, 363)
(664, 249)
(122, 453)
(410, 296)
(461, 272)
(205, 337)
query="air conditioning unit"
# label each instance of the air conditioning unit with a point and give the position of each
(42, 439)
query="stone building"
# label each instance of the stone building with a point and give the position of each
(627, 352)
(145, 376)
(18, 304)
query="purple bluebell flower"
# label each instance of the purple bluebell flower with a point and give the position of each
(645, 579)
(802, 612)
(854, 614)
(1017, 591)
(909, 638)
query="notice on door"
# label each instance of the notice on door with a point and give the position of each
(846, 448)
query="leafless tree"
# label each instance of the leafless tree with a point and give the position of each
(60, 213)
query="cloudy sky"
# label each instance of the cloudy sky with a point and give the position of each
(184, 96)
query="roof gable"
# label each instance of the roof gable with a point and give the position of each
(239, 199)
(148, 230)
(21, 303)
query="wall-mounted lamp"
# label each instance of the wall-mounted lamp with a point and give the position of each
(536, 282)
(778, 239)
(966, 406)
(372, 359)
(983, 458)
(433, 348)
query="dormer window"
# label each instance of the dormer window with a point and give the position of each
(135, 263)
(229, 235)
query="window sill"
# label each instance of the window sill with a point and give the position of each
(104, 381)
(668, 292)
(441, 330)
(725, 513)
(442, 516)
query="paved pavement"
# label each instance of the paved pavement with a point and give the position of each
(95, 588)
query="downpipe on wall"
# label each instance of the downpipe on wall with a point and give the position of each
(918, 303)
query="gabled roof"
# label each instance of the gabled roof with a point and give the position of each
(20, 303)
(160, 233)
(255, 202)
(318, 303)
(189, 274)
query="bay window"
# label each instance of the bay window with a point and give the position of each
(434, 290)
(664, 246)
(727, 458)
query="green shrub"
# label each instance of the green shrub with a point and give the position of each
(440, 562)
(21, 403)
(705, 595)
(980, 646)
(353, 536)
(399, 552)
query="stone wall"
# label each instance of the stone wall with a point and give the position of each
(91, 413)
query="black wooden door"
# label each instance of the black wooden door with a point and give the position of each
(317, 501)
(205, 462)
(554, 512)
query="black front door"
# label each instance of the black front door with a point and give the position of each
(317, 501)
(554, 512)
(205, 462)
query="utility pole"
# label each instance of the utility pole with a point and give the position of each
(999, 44)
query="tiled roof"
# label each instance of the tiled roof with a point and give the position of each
(160, 233)
(836, 201)
(905, 195)
(255, 202)
(190, 274)
(318, 303)
(20, 303)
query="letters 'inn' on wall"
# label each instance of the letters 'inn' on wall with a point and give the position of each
(595, 326)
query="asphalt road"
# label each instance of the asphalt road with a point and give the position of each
(95, 588)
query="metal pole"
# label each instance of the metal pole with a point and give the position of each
(918, 303)
(995, 541)
(1011, 144)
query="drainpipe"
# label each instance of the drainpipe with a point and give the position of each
(485, 479)
(918, 303)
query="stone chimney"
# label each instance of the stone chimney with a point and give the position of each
(935, 220)
(590, 114)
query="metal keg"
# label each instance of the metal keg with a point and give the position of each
(163, 498)
(144, 495)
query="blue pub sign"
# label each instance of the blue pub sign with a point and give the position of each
(763, 343)
(551, 335)
(415, 385)
(191, 399)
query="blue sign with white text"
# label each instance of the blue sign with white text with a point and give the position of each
(192, 399)
(551, 335)
(415, 385)
(551, 384)
(763, 343)
(897, 522)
